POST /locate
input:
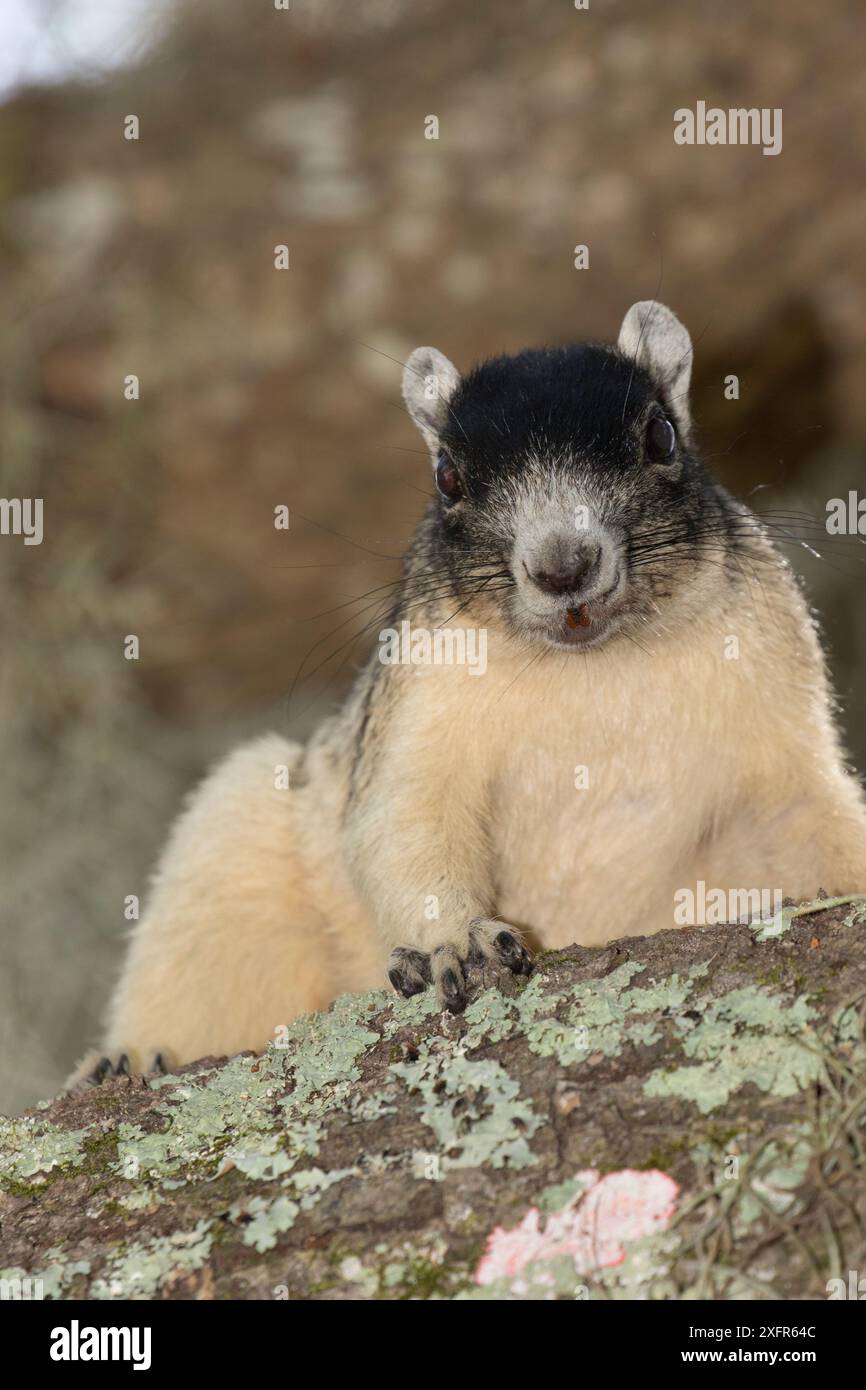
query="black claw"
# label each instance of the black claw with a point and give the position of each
(158, 1065)
(477, 955)
(100, 1071)
(122, 1068)
(455, 998)
(513, 954)
(511, 951)
(418, 960)
(404, 984)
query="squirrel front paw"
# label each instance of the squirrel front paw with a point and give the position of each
(490, 943)
(94, 1069)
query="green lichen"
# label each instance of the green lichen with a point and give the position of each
(244, 1101)
(372, 1107)
(768, 929)
(353, 1271)
(747, 1035)
(559, 1195)
(310, 1183)
(263, 1160)
(238, 1117)
(269, 1220)
(30, 1147)
(393, 1274)
(491, 1017)
(140, 1198)
(264, 1219)
(324, 1053)
(473, 1108)
(407, 1013)
(203, 1115)
(600, 1016)
(141, 1268)
(51, 1282)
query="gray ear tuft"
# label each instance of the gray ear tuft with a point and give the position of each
(429, 382)
(653, 335)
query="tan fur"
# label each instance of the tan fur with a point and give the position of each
(700, 768)
(269, 903)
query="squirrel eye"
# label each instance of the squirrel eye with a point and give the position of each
(660, 439)
(448, 479)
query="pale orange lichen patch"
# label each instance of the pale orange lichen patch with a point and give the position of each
(619, 1207)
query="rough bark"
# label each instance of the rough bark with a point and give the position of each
(714, 1077)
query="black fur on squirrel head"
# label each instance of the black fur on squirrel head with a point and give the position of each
(567, 489)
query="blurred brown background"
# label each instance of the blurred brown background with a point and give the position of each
(259, 387)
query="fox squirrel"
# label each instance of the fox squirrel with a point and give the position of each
(653, 713)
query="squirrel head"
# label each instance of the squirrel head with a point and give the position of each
(567, 488)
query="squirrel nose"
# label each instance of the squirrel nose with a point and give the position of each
(572, 575)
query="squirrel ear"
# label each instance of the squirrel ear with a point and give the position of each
(429, 382)
(653, 335)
